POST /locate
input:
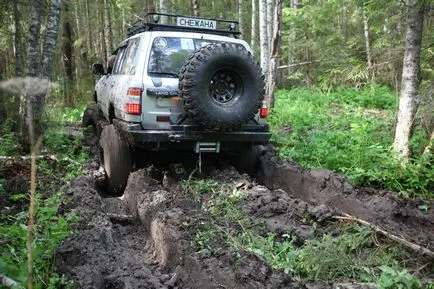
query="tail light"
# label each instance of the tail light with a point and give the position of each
(263, 112)
(134, 98)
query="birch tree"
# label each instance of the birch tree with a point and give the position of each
(196, 7)
(240, 17)
(33, 57)
(292, 36)
(108, 29)
(253, 31)
(263, 36)
(33, 54)
(410, 77)
(274, 56)
(269, 21)
(163, 9)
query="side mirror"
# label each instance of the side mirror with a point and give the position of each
(98, 68)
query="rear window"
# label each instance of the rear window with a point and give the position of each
(168, 54)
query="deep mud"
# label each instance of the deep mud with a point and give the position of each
(328, 188)
(145, 240)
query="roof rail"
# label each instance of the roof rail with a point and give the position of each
(154, 21)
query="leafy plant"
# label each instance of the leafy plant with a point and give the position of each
(349, 131)
(49, 231)
(393, 278)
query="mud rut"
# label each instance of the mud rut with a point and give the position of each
(142, 239)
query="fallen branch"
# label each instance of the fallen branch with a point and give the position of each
(121, 217)
(5, 241)
(38, 157)
(408, 244)
(22, 157)
(10, 283)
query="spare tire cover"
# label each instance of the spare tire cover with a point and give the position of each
(221, 86)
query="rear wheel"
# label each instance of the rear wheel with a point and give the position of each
(116, 158)
(93, 121)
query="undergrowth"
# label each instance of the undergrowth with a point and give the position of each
(349, 252)
(63, 159)
(350, 131)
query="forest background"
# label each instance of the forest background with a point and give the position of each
(339, 74)
(371, 54)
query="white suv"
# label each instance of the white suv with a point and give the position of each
(185, 83)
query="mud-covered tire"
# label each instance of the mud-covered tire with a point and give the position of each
(93, 117)
(221, 86)
(116, 157)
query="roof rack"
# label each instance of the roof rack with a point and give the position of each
(154, 21)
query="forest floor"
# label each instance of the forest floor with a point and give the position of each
(231, 230)
(282, 225)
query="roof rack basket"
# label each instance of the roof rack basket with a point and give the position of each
(154, 21)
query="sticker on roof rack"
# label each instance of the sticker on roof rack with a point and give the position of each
(196, 23)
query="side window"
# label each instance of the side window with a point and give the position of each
(119, 59)
(129, 63)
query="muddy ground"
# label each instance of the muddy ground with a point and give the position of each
(144, 239)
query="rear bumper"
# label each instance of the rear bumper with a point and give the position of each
(252, 134)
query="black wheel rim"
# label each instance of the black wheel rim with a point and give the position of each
(225, 85)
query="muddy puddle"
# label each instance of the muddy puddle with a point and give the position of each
(144, 239)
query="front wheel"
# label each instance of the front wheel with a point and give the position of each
(116, 158)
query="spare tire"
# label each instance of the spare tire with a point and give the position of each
(221, 86)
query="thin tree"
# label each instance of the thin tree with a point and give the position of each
(410, 77)
(274, 56)
(253, 32)
(67, 55)
(196, 7)
(366, 29)
(18, 60)
(89, 30)
(163, 9)
(292, 36)
(269, 21)
(108, 29)
(240, 17)
(263, 36)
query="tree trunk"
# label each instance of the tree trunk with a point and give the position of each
(108, 29)
(410, 78)
(274, 57)
(101, 32)
(263, 36)
(17, 41)
(33, 57)
(89, 30)
(68, 52)
(163, 9)
(240, 18)
(34, 31)
(269, 21)
(196, 8)
(253, 32)
(292, 36)
(51, 38)
(367, 44)
(18, 65)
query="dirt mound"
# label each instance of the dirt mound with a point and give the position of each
(324, 187)
(144, 239)
(108, 250)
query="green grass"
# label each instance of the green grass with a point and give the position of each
(352, 252)
(49, 231)
(67, 156)
(351, 132)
